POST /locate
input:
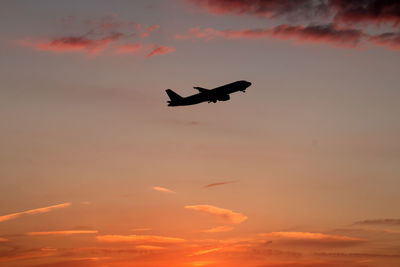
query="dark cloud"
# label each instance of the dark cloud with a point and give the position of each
(217, 184)
(367, 11)
(346, 11)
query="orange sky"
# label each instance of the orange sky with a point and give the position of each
(301, 170)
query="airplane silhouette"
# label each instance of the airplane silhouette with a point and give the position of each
(207, 95)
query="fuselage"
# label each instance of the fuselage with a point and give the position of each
(217, 94)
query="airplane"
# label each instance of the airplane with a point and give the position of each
(207, 95)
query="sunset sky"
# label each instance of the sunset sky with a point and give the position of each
(301, 170)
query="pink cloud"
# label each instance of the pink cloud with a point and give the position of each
(329, 34)
(73, 44)
(161, 50)
(128, 48)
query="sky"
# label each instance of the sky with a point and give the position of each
(301, 170)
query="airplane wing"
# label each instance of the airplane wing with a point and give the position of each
(201, 90)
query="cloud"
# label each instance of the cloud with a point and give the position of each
(3, 239)
(128, 48)
(367, 11)
(141, 229)
(307, 238)
(380, 222)
(357, 255)
(225, 214)
(202, 252)
(73, 44)
(149, 30)
(269, 8)
(98, 35)
(218, 229)
(33, 211)
(329, 34)
(336, 22)
(341, 11)
(163, 189)
(64, 232)
(391, 40)
(319, 33)
(139, 239)
(218, 184)
(161, 50)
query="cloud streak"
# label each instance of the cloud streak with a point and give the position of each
(163, 189)
(139, 239)
(380, 222)
(218, 229)
(73, 44)
(218, 184)
(328, 34)
(12, 216)
(307, 238)
(63, 232)
(225, 214)
(161, 50)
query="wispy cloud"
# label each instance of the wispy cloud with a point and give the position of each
(228, 215)
(218, 229)
(33, 211)
(307, 238)
(98, 35)
(73, 44)
(203, 252)
(141, 229)
(3, 239)
(139, 239)
(218, 184)
(163, 189)
(128, 48)
(63, 232)
(161, 50)
(380, 222)
(328, 33)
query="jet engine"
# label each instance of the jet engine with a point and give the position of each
(224, 98)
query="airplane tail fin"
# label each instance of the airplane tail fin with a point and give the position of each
(173, 96)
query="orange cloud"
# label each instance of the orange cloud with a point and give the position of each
(3, 239)
(310, 238)
(163, 189)
(33, 211)
(161, 50)
(225, 214)
(64, 232)
(202, 252)
(218, 229)
(147, 247)
(139, 239)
